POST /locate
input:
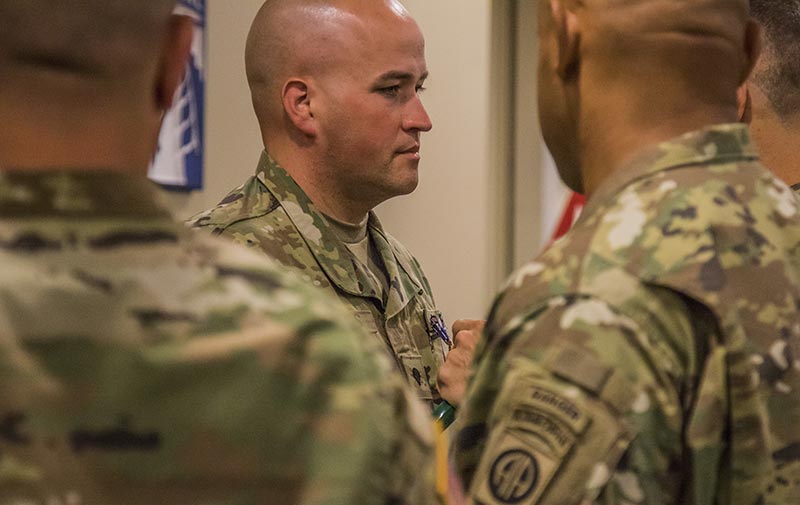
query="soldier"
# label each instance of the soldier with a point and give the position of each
(141, 363)
(335, 86)
(770, 101)
(651, 355)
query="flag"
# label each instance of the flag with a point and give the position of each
(178, 163)
(571, 213)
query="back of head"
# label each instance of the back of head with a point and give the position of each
(698, 42)
(630, 73)
(778, 71)
(103, 41)
(82, 73)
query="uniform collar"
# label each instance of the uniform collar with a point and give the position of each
(333, 256)
(74, 194)
(725, 143)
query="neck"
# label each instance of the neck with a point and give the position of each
(623, 120)
(313, 177)
(45, 133)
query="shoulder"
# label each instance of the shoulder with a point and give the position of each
(265, 284)
(203, 318)
(691, 228)
(657, 321)
(248, 201)
(570, 292)
(332, 374)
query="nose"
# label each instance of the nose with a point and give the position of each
(417, 118)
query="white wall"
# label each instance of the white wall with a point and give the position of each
(457, 221)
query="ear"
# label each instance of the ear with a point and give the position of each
(752, 48)
(297, 106)
(567, 31)
(174, 56)
(744, 104)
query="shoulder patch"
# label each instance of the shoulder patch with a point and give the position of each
(518, 473)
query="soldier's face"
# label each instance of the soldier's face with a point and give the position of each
(369, 111)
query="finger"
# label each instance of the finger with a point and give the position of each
(466, 339)
(456, 358)
(468, 324)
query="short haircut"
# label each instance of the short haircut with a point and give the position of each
(778, 75)
(101, 38)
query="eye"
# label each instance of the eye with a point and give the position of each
(390, 91)
(420, 88)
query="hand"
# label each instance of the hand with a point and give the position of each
(455, 372)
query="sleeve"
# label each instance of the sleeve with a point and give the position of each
(587, 411)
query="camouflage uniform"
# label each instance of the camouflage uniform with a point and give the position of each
(270, 212)
(651, 355)
(143, 364)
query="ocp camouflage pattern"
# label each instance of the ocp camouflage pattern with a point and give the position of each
(272, 214)
(651, 355)
(141, 363)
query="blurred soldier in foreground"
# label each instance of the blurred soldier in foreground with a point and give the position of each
(770, 101)
(143, 364)
(651, 355)
(335, 87)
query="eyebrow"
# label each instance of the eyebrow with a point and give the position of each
(400, 76)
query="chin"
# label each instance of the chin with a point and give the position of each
(575, 184)
(570, 174)
(399, 188)
(406, 180)
(405, 187)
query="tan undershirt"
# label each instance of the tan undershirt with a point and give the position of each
(358, 241)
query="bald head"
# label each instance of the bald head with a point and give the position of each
(87, 81)
(88, 38)
(698, 41)
(618, 75)
(301, 38)
(336, 88)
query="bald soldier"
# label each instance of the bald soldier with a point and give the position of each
(140, 364)
(770, 100)
(335, 86)
(651, 355)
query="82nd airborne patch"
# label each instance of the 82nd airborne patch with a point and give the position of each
(518, 473)
(513, 476)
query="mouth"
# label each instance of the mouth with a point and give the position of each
(412, 151)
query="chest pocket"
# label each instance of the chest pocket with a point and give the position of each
(419, 345)
(418, 352)
(406, 354)
(419, 376)
(366, 319)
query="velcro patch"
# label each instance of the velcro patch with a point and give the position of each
(517, 473)
(558, 437)
(538, 428)
(417, 375)
(561, 406)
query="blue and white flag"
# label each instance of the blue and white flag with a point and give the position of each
(178, 163)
